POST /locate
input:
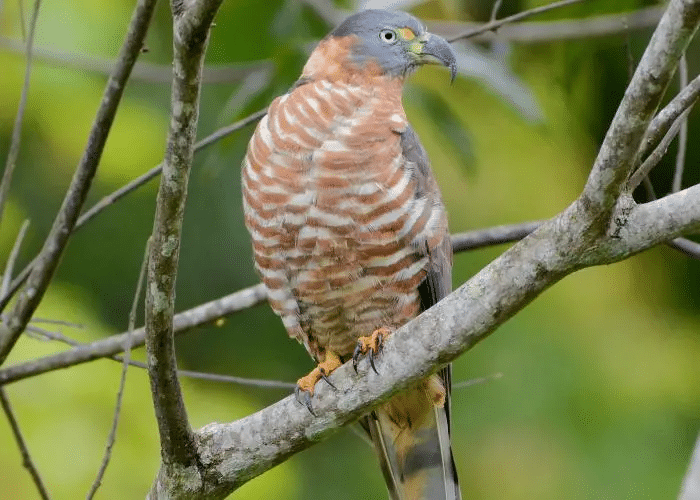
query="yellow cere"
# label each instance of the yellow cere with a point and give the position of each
(406, 33)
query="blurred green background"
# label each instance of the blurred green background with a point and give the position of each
(599, 396)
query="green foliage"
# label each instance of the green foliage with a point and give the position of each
(599, 395)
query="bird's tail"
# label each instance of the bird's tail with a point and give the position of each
(411, 433)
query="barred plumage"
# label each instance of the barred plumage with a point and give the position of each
(333, 209)
(349, 231)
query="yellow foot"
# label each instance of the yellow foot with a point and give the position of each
(305, 385)
(372, 345)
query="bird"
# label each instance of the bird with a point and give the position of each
(349, 230)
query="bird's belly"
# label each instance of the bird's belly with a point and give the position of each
(338, 258)
(333, 211)
(350, 279)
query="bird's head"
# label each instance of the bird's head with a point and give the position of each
(392, 44)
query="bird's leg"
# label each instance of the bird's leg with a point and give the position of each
(305, 385)
(371, 344)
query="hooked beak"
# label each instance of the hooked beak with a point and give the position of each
(435, 49)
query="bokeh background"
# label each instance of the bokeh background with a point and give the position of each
(599, 393)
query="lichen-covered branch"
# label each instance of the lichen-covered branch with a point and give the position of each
(617, 153)
(191, 24)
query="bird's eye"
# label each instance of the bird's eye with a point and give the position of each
(387, 36)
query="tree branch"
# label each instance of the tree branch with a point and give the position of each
(687, 247)
(10, 265)
(156, 171)
(659, 152)
(666, 117)
(191, 24)
(213, 377)
(638, 227)
(649, 82)
(47, 261)
(182, 322)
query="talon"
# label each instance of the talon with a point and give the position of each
(304, 397)
(325, 377)
(356, 355)
(371, 361)
(370, 345)
(307, 383)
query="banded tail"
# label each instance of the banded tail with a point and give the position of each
(411, 434)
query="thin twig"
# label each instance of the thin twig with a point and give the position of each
(686, 246)
(629, 54)
(212, 377)
(494, 14)
(58, 322)
(156, 171)
(649, 187)
(22, 445)
(44, 335)
(143, 71)
(9, 267)
(511, 19)
(250, 382)
(492, 236)
(667, 116)
(48, 259)
(475, 381)
(494, 10)
(122, 381)
(13, 153)
(655, 157)
(565, 29)
(130, 187)
(182, 322)
(683, 133)
(22, 26)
